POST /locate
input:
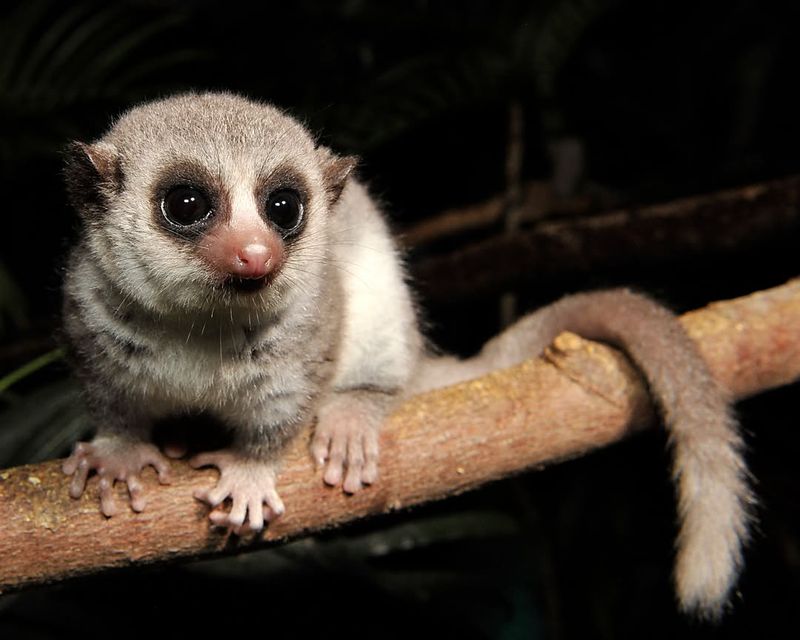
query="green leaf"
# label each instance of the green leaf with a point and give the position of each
(30, 368)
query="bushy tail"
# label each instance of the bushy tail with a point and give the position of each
(708, 468)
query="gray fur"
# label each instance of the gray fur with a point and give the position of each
(333, 337)
(714, 498)
(153, 333)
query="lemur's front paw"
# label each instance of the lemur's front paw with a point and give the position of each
(248, 482)
(114, 458)
(346, 442)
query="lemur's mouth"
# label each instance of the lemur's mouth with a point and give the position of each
(246, 285)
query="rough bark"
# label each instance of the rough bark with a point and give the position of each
(579, 396)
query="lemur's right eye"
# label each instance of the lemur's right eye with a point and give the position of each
(184, 206)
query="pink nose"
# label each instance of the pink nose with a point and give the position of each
(252, 261)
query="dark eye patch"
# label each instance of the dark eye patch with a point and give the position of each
(185, 205)
(188, 199)
(284, 194)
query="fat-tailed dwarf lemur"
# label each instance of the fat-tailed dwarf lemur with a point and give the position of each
(229, 264)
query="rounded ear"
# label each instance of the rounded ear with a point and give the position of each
(92, 173)
(335, 171)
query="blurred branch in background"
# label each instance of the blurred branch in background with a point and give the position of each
(573, 241)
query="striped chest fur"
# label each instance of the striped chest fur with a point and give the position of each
(224, 363)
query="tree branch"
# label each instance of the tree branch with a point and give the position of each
(579, 396)
(700, 225)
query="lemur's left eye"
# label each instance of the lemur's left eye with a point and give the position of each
(285, 210)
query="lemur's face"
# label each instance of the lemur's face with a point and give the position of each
(208, 201)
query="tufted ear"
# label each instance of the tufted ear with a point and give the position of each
(92, 173)
(335, 171)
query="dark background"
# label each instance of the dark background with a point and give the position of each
(665, 99)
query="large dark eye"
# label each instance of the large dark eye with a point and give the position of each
(185, 205)
(285, 210)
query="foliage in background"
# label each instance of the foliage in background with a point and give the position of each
(58, 60)
(470, 54)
